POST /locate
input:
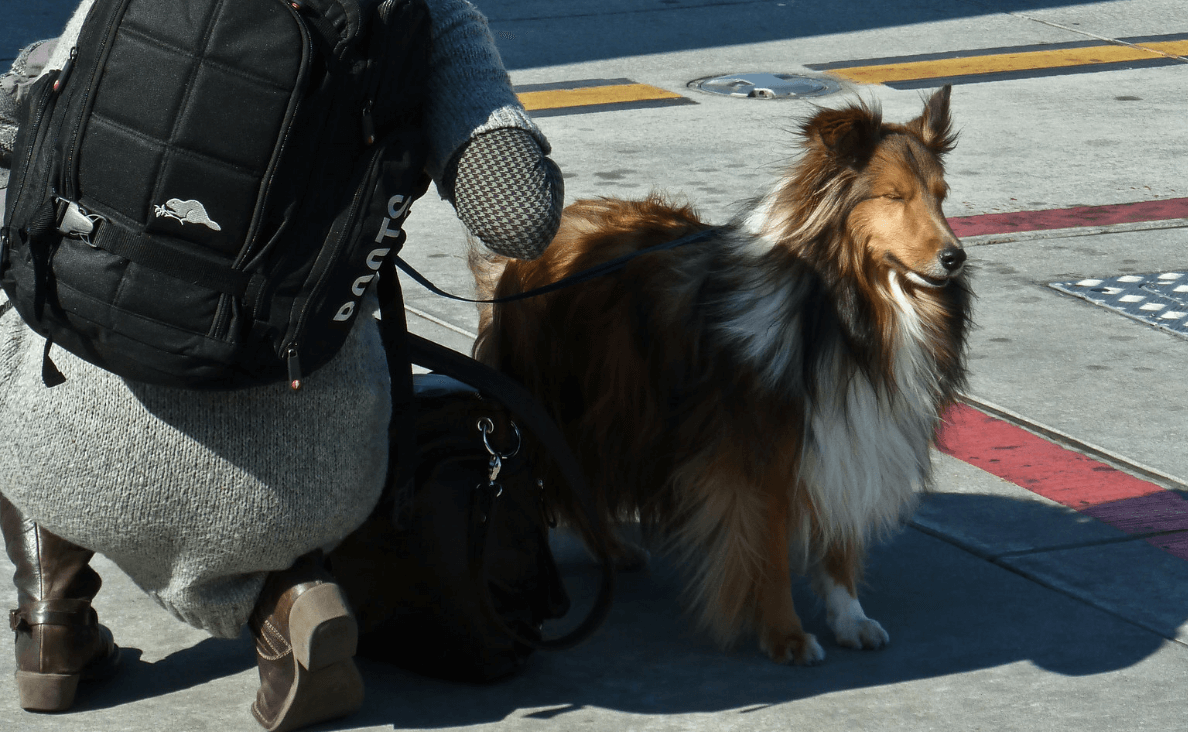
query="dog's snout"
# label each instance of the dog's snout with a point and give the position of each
(951, 258)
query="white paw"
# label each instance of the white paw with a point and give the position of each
(850, 625)
(860, 633)
(812, 653)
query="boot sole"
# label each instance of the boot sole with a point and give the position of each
(46, 692)
(322, 628)
(327, 685)
(55, 692)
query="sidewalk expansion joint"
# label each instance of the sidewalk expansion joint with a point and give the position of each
(1103, 39)
(1084, 544)
(438, 321)
(1086, 600)
(1002, 563)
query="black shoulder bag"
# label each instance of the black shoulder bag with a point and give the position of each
(452, 575)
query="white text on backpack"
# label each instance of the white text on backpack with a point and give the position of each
(397, 208)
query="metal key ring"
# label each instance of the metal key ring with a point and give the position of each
(486, 426)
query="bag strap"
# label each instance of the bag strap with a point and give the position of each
(394, 333)
(613, 265)
(528, 411)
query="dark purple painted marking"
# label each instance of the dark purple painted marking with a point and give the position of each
(1174, 544)
(1164, 511)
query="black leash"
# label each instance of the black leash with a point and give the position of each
(585, 275)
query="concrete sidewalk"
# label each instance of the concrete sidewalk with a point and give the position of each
(1006, 610)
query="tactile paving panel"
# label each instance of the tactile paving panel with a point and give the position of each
(1159, 299)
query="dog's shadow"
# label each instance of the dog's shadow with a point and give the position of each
(948, 611)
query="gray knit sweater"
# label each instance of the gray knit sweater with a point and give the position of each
(198, 495)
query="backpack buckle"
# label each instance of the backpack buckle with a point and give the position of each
(76, 222)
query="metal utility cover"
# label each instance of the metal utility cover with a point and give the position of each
(764, 85)
(1159, 299)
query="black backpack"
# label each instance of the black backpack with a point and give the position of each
(201, 196)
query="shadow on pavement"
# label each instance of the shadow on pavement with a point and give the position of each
(947, 610)
(206, 661)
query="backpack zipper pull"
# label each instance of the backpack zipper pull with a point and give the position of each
(294, 363)
(67, 67)
(368, 125)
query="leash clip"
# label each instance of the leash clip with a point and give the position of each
(487, 426)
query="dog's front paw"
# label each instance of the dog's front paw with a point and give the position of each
(801, 649)
(849, 623)
(861, 633)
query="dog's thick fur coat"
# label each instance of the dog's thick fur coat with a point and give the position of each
(767, 397)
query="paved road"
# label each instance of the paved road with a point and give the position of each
(1047, 590)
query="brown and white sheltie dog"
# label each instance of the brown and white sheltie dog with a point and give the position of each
(767, 397)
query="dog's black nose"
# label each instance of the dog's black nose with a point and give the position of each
(952, 258)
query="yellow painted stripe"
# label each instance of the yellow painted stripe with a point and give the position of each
(1171, 48)
(591, 95)
(997, 63)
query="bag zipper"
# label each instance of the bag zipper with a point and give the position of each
(270, 175)
(42, 104)
(378, 58)
(289, 351)
(68, 174)
(293, 364)
(222, 325)
(67, 67)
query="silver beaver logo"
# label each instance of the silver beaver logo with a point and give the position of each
(187, 212)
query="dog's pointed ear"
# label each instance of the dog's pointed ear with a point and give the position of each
(934, 127)
(850, 134)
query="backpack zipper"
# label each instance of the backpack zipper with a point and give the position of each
(289, 351)
(293, 364)
(67, 67)
(68, 174)
(378, 61)
(42, 103)
(294, 9)
(223, 317)
(368, 124)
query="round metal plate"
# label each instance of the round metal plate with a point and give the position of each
(763, 85)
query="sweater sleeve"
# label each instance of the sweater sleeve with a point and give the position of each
(469, 89)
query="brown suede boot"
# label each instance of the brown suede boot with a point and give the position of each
(305, 642)
(58, 636)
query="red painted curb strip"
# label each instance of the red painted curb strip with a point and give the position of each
(1069, 478)
(1065, 218)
